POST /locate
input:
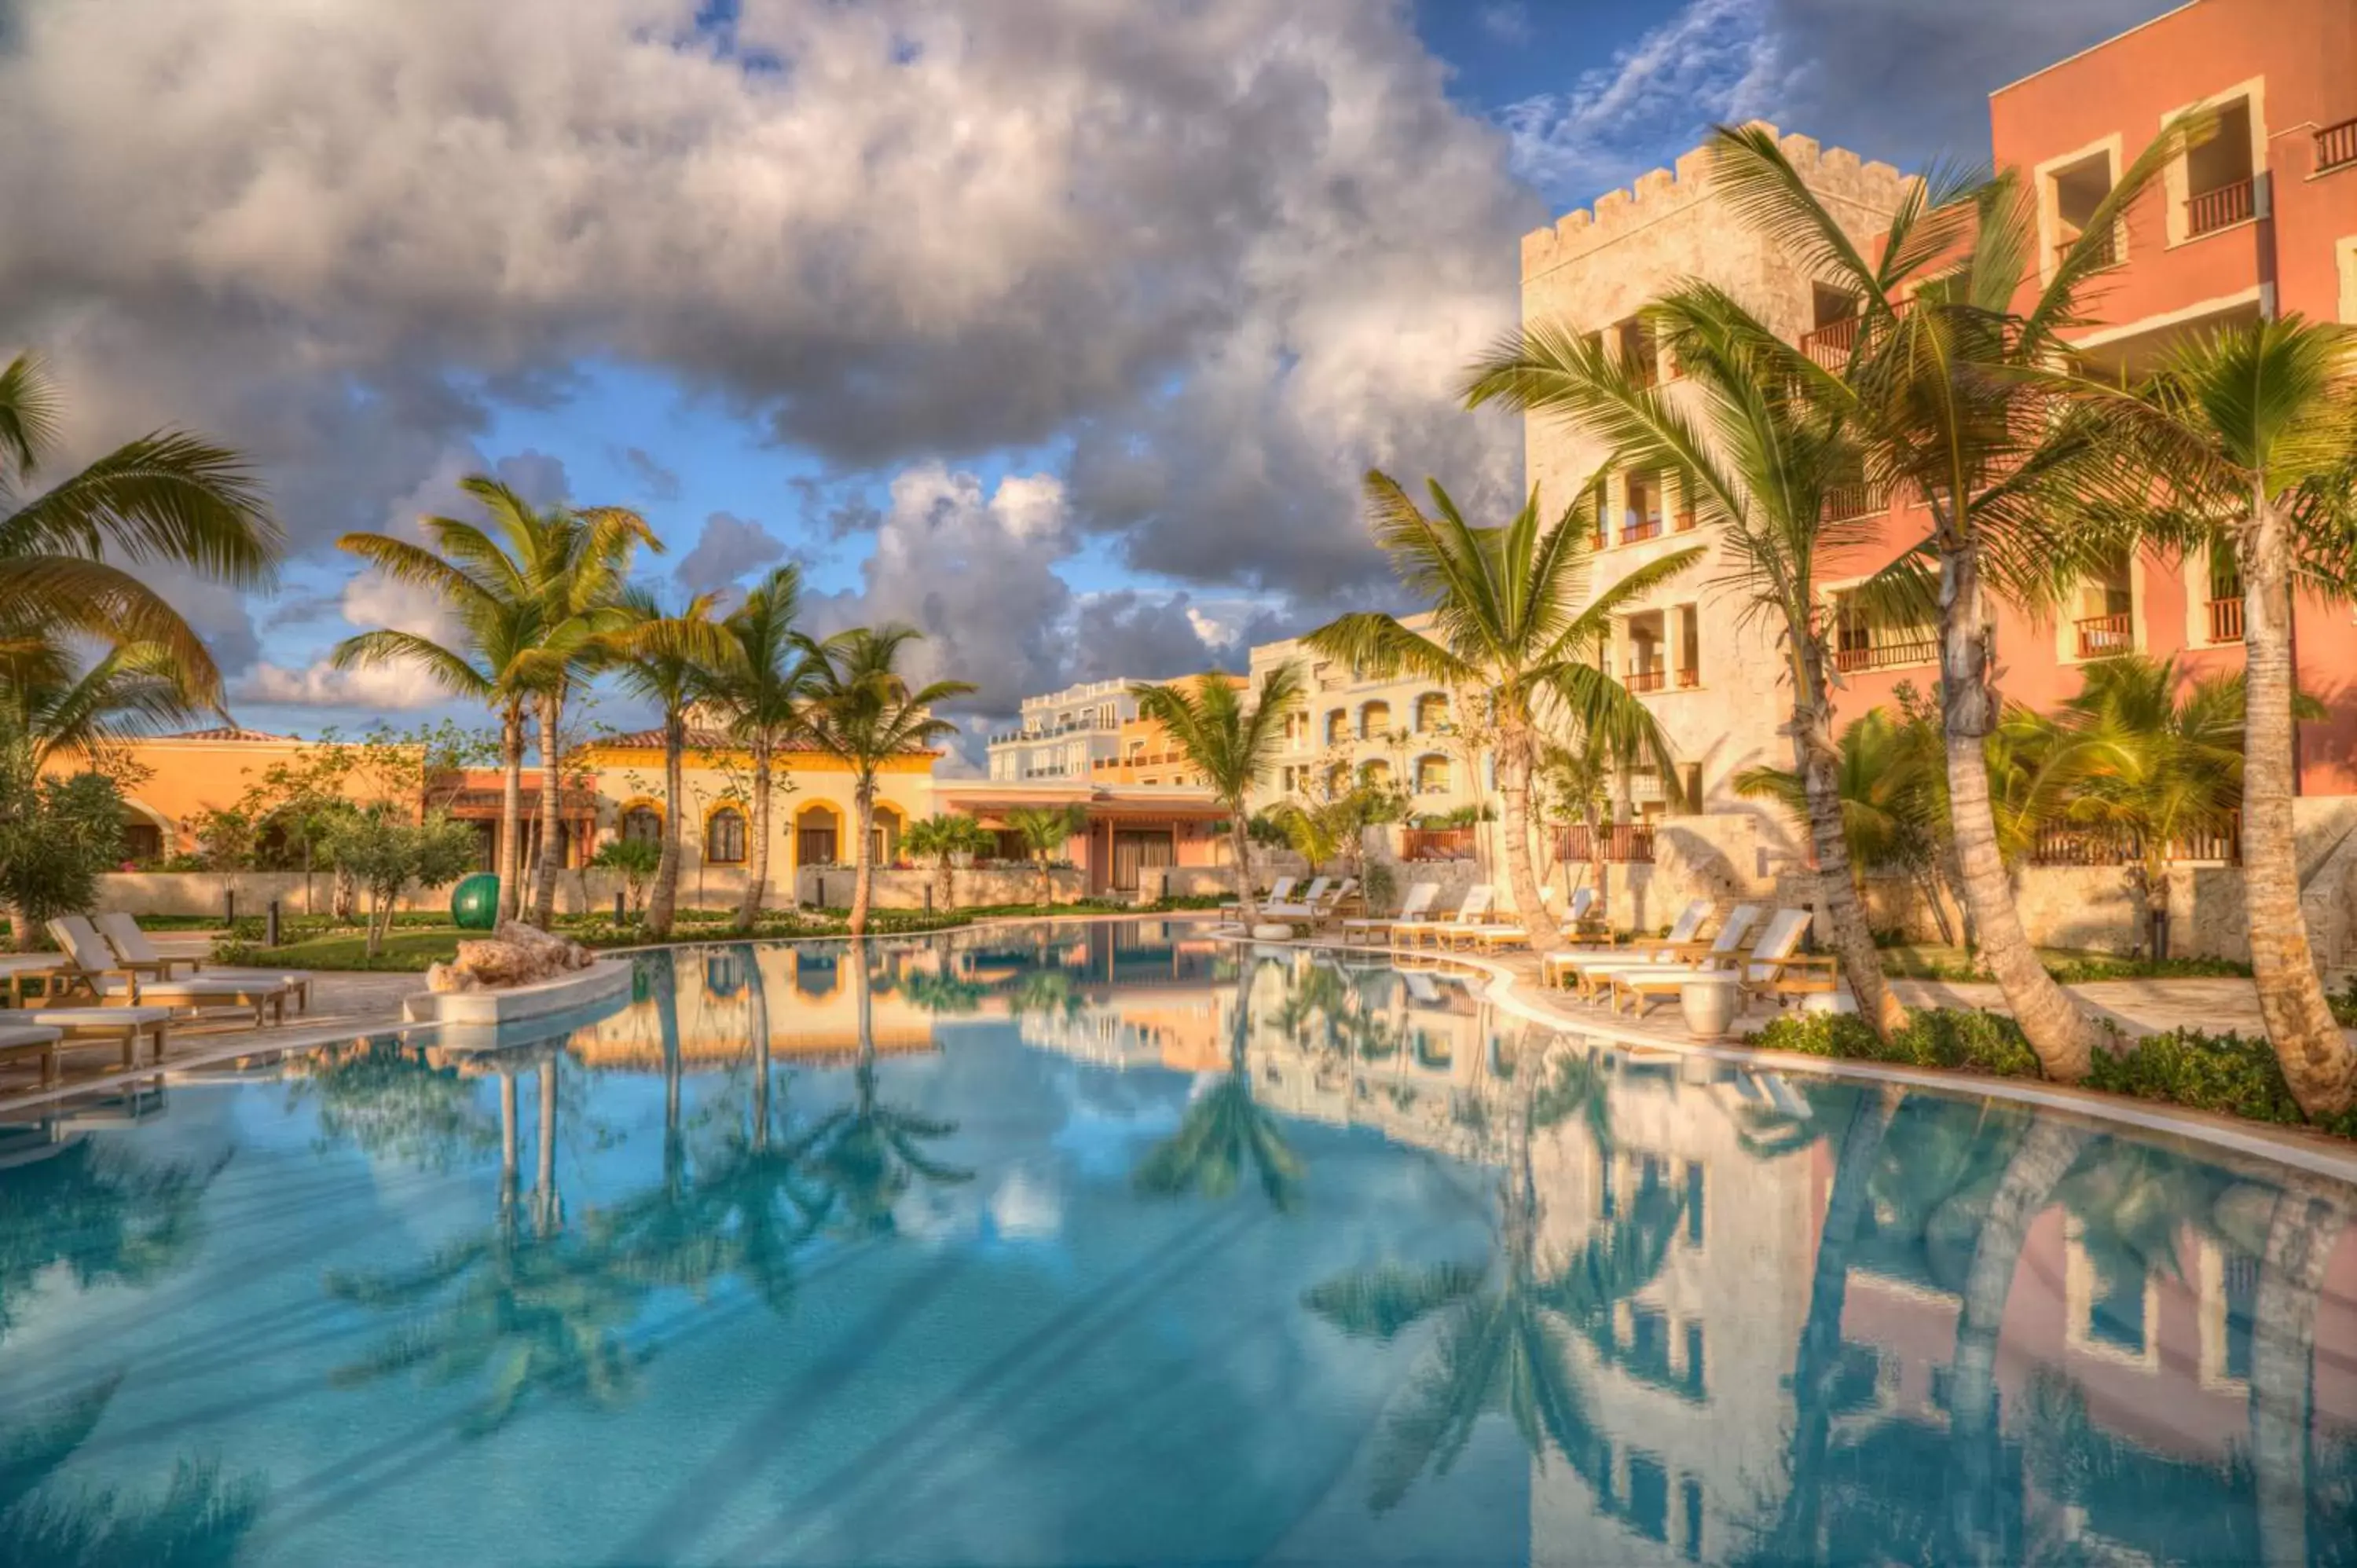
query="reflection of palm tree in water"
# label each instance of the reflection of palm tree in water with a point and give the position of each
(539, 1311)
(870, 1152)
(198, 1520)
(1508, 1324)
(2310, 1215)
(1223, 1132)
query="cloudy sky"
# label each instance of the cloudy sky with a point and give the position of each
(1061, 328)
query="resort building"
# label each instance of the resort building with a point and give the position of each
(1065, 734)
(1350, 729)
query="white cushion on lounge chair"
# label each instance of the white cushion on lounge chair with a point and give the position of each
(1689, 922)
(1303, 909)
(1419, 899)
(1782, 935)
(101, 1019)
(15, 1035)
(1475, 904)
(192, 988)
(82, 943)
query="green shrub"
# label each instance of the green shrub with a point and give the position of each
(2234, 1074)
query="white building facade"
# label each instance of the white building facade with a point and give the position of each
(1065, 734)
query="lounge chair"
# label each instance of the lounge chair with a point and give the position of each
(1283, 907)
(93, 968)
(1279, 890)
(128, 1026)
(1472, 910)
(1317, 907)
(1489, 938)
(1563, 965)
(1419, 899)
(1596, 979)
(26, 1039)
(1641, 988)
(139, 955)
(20, 970)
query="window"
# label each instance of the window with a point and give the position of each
(1648, 667)
(815, 837)
(1337, 726)
(1833, 331)
(641, 824)
(1689, 631)
(2078, 189)
(142, 842)
(1649, 1496)
(1376, 774)
(2221, 610)
(1642, 518)
(1639, 356)
(1865, 641)
(2219, 189)
(1432, 776)
(1374, 720)
(723, 837)
(2103, 623)
(1431, 712)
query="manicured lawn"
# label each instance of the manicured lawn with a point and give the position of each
(1929, 960)
(405, 951)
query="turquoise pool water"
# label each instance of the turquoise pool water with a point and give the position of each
(1116, 1244)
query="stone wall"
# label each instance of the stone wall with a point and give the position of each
(971, 887)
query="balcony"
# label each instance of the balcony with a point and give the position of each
(1600, 540)
(2336, 147)
(1689, 677)
(2220, 209)
(1889, 652)
(1637, 529)
(1625, 843)
(1832, 344)
(1647, 680)
(1687, 521)
(2225, 619)
(1850, 501)
(2102, 637)
(2105, 255)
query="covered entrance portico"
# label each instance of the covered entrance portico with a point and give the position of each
(1131, 834)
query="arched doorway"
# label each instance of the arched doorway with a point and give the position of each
(818, 835)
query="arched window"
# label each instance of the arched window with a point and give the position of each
(1432, 776)
(815, 836)
(1338, 779)
(1375, 775)
(1375, 718)
(723, 837)
(1431, 712)
(641, 824)
(1337, 726)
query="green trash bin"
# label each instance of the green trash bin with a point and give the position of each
(475, 903)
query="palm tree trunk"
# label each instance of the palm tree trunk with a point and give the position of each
(1239, 843)
(2064, 1037)
(862, 871)
(1514, 787)
(507, 1148)
(1818, 761)
(2044, 1157)
(2309, 1217)
(1821, 1337)
(665, 900)
(511, 812)
(545, 1201)
(757, 875)
(2318, 1063)
(551, 797)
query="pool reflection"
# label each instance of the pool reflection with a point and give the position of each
(1091, 1242)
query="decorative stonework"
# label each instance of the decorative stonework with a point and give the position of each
(515, 954)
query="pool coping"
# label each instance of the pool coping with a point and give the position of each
(2302, 1151)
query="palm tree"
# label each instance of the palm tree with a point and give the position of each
(945, 836)
(2156, 760)
(1766, 464)
(2254, 427)
(530, 596)
(1943, 397)
(1887, 799)
(1045, 830)
(670, 657)
(169, 498)
(52, 703)
(863, 711)
(1508, 618)
(1232, 747)
(760, 692)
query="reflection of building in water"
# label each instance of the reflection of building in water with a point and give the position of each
(709, 1005)
(1179, 1030)
(1695, 1382)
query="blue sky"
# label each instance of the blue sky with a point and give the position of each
(1061, 329)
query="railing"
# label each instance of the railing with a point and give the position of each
(1687, 521)
(1647, 680)
(1600, 540)
(1848, 501)
(2120, 846)
(1435, 844)
(2100, 637)
(2336, 147)
(1625, 843)
(2215, 209)
(1831, 344)
(2226, 620)
(1889, 652)
(1637, 528)
(1689, 677)
(2103, 256)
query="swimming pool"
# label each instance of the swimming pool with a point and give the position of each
(1115, 1243)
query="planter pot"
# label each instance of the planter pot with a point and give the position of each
(1709, 1005)
(1829, 1002)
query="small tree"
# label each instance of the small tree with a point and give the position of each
(945, 836)
(55, 835)
(387, 856)
(636, 860)
(1045, 831)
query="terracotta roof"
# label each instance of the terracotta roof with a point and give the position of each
(709, 740)
(227, 732)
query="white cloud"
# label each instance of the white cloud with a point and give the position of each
(399, 687)
(1509, 21)
(1715, 61)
